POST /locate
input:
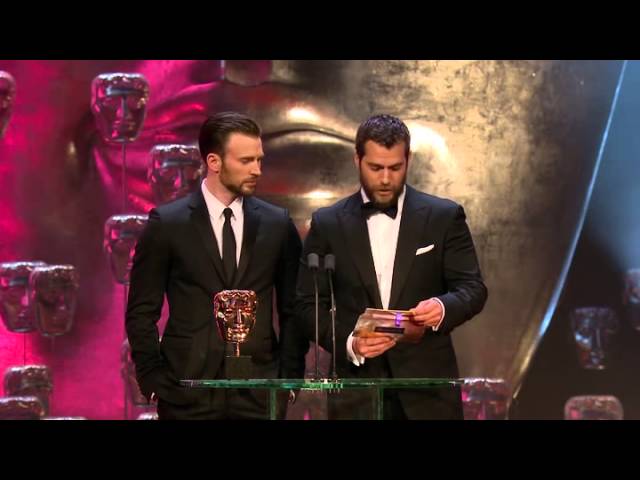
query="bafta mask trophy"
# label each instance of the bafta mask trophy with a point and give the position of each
(29, 380)
(121, 233)
(15, 308)
(53, 294)
(21, 408)
(119, 105)
(593, 407)
(235, 314)
(485, 399)
(174, 171)
(592, 329)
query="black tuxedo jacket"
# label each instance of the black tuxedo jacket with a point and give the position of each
(448, 271)
(177, 255)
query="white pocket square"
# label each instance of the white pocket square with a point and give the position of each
(426, 249)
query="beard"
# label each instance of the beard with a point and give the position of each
(387, 202)
(244, 188)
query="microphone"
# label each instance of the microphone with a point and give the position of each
(330, 267)
(313, 262)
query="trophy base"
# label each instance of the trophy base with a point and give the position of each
(237, 368)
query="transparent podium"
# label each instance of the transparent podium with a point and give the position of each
(376, 386)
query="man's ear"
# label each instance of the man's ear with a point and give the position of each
(214, 162)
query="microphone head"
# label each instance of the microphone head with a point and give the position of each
(313, 261)
(330, 262)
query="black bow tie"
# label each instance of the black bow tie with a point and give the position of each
(370, 208)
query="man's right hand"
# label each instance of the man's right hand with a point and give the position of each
(370, 347)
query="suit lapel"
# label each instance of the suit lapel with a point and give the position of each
(356, 234)
(249, 235)
(415, 215)
(202, 223)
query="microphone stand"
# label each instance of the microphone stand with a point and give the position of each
(313, 262)
(330, 267)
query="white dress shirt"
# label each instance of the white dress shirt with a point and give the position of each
(383, 238)
(215, 208)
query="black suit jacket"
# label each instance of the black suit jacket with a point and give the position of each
(177, 255)
(449, 272)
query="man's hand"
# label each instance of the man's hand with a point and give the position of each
(427, 313)
(370, 347)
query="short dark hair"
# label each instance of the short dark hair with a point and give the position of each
(216, 129)
(384, 130)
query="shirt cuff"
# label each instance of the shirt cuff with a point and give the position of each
(436, 327)
(357, 360)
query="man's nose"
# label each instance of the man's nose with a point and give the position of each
(123, 112)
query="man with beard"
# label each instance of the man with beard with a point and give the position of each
(218, 238)
(395, 248)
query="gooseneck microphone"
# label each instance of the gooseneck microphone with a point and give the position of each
(313, 263)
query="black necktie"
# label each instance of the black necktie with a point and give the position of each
(228, 247)
(370, 208)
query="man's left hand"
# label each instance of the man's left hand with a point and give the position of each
(427, 313)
